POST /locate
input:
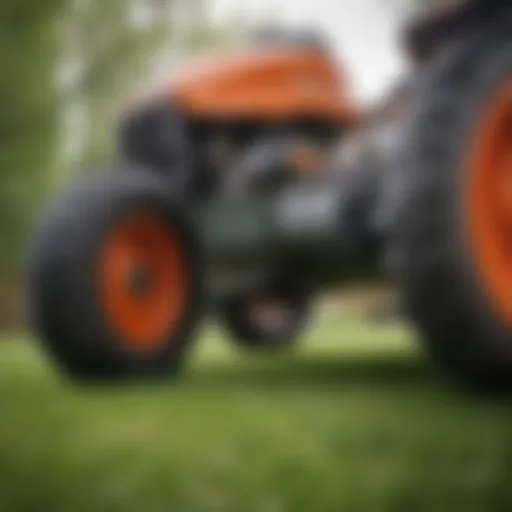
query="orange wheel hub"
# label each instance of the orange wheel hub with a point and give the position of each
(490, 201)
(143, 281)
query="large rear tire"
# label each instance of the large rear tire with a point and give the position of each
(450, 239)
(115, 279)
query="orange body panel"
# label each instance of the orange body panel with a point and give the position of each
(267, 85)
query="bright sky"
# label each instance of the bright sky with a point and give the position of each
(362, 32)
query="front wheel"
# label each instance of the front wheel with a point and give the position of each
(115, 282)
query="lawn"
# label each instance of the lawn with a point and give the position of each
(354, 420)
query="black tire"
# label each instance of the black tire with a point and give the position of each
(65, 298)
(237, 317)
(430, 245)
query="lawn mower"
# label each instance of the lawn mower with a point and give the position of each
(229, 197)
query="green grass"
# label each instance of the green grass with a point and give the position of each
(353, 420)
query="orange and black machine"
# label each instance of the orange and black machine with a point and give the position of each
(230, 187)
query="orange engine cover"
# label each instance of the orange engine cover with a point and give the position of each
(267, 85)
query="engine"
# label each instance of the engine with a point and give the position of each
(285, 86)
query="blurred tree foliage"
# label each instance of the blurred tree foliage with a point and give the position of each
(109, 45)
(29, 116)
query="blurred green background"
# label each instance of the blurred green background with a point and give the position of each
(355, 419)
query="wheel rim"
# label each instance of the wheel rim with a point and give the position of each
(143, 281)
(490, 202)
